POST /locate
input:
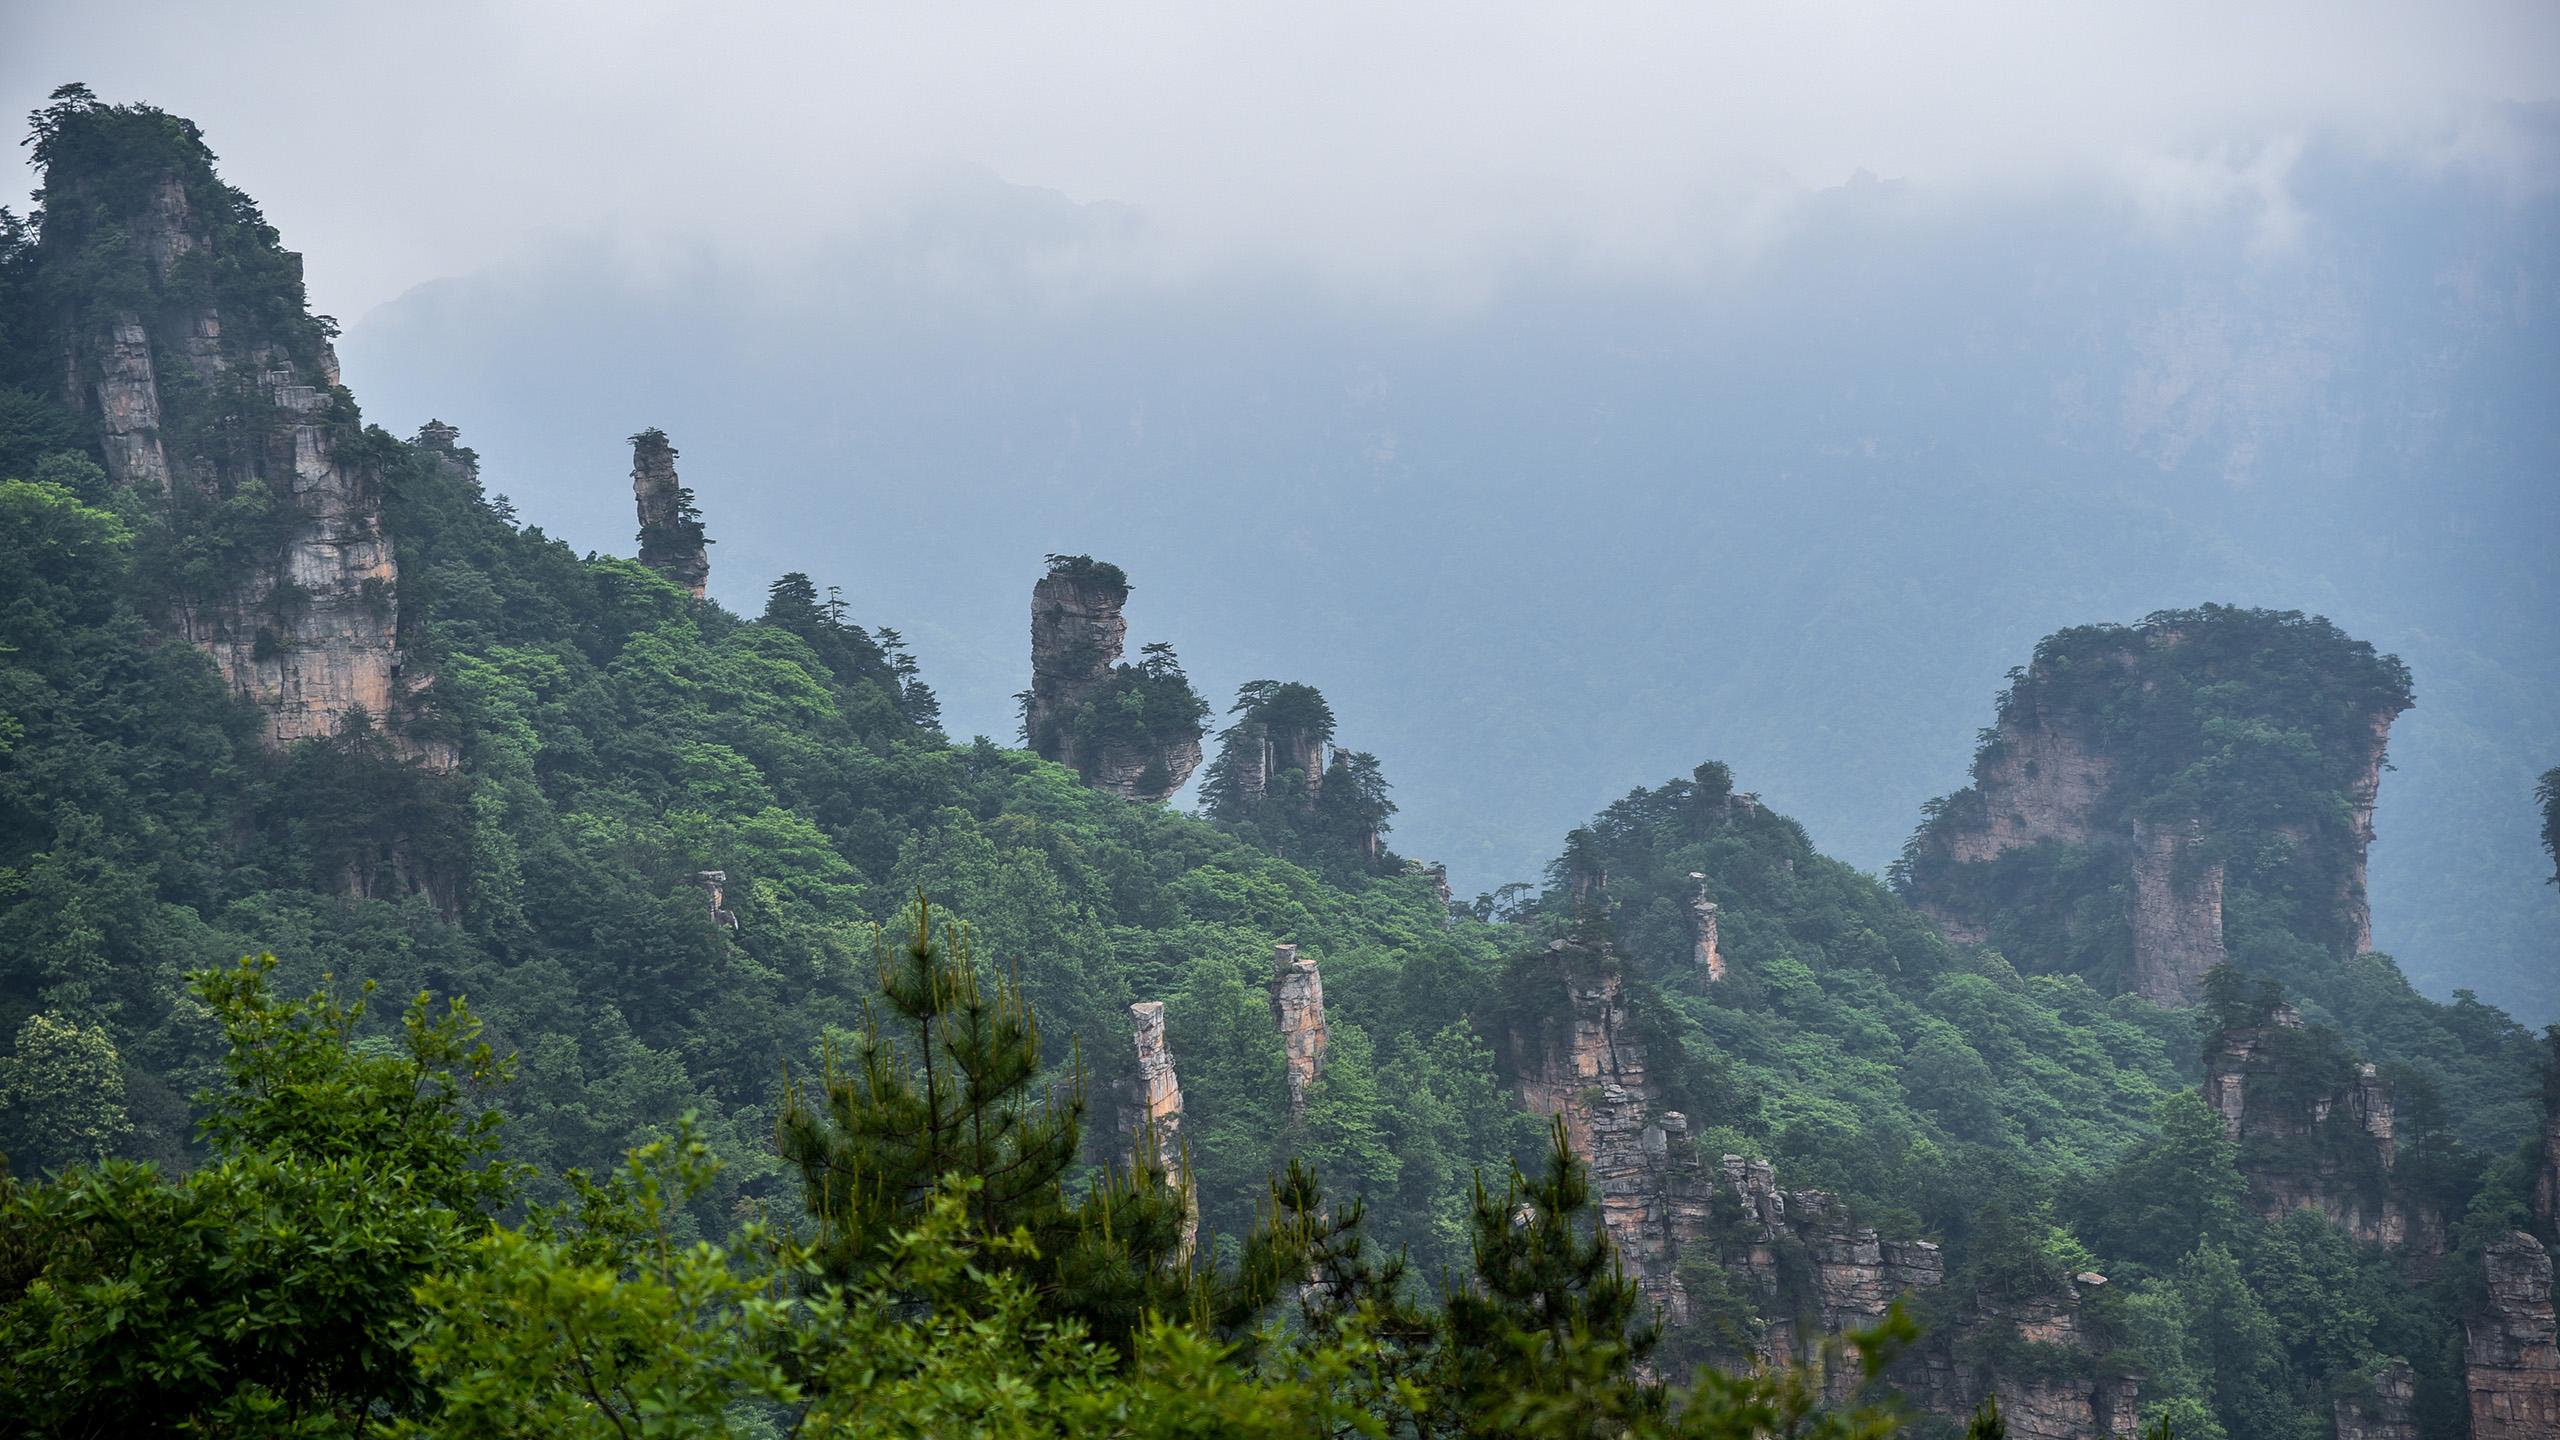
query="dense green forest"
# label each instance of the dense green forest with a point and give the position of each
(660, 858)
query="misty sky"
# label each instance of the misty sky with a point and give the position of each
(1419, 150)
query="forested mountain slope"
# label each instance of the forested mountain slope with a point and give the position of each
(277, 680)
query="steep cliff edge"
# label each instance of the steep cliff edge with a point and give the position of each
(2142, 781)
(1133, 730)
(185, 336)
(2511, 1349)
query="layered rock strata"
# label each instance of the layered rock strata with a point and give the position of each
(1658, 1202)
(1297, 1008)
(2511, 1352)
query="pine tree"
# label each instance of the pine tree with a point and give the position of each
(1551, 1338)
(943, 1095)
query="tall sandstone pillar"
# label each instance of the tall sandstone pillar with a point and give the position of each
(671, 540)
(1297, 1007)
(1159, 1107)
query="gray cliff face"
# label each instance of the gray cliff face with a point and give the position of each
(671, 541)
(1297, 1008)
(191, 406)
(2511, 1351)
(2350, 1179)
(2177, 916)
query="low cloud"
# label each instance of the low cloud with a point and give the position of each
(1418, 148)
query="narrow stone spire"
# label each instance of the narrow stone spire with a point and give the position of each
(671, 540)
(1160, 1108)
(1297, 1007)
(1703, 914)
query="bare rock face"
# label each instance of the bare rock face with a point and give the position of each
(2074, 765)
(1159, 1103)
(2388, 1411)
(671, 540)
(1855, 1275)
(2045, 780)
(2333, 1151)
(310, 631)
(1078, 635)
(2177, 916)
(1297, 1007)
(2511, 1352)
(1659, 1203)
(1159, 1092)
(1704, 921)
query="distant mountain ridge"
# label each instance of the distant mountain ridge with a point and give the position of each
(1582, 533)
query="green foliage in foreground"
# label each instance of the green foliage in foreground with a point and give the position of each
(339, 1269)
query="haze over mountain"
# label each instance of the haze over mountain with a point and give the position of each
(1546, 545)
(1614, 427)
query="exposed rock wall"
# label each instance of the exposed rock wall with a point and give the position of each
(1658, 1202)
(2361, 796)
(2334, 1151)
(2077, 761)
(2177, 916)
(2046, 780)
(1158, 1106)
(1078, 635)
(1855, 1275)
(1705, 923)
(2511, 1353)
(310, 631)
(671, 541)
(1297, 1007)
(2386, 1412)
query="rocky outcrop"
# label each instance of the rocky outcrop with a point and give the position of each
(715, 888)
(1157, 1107)
(1705, 924)
(2177, 915)
(1844, 1276)
(2361, 797)
(2325, 1143)
(1588, 1065)
(2511, 1353)
(671, 538)
(2045, 777)
(1078, 635)
(1297, 1007)
(222, 404)
(2087, 802)
(2387, 1410)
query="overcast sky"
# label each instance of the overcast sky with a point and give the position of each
(1403, 146)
